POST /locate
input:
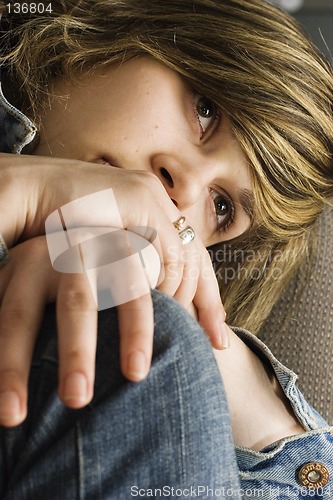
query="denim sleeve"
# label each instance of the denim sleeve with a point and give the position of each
(296, 467)
(16, 130)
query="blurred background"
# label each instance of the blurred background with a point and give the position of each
(317, 18)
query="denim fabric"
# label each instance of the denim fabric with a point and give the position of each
(16, 130)
(3, 252)
(171, 430)
(272, 473)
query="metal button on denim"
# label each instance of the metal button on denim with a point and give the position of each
(313, 475)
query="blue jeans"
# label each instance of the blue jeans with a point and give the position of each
(170, 432)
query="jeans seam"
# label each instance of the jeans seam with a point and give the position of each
(182, 425)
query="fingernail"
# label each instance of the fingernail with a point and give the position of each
(225, 336)
(137, 366)
(9, 406)
(75, 388)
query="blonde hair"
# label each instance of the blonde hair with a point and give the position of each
(261, 70)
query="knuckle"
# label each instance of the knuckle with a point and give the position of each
(148, 177)
(75, 299)
(32, 254)
(10, 378)
(37, 247)
(73, 355)
(8, 374)
(13, 317)
(149, 181)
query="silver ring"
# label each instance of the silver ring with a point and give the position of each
(4, 255)
(186, 234)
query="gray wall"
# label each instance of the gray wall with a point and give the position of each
(317, 18)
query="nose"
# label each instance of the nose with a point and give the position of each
(184, 181)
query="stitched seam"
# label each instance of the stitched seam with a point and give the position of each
(182, 424)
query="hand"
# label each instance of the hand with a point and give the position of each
(33, 187)
(74, 303)
(27, 283)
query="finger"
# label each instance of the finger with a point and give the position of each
(191, 259)
(20, 317)
(163, 236)
(136, 325)
(77, 338)
(171, 250)
(207, 300)
(130, 285)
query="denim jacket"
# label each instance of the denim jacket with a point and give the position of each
(296, 467)
(16, 130)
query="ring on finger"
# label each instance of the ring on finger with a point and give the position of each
(185, 232)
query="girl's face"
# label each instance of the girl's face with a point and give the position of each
(144, 116)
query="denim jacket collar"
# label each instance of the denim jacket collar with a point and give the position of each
(16, 130)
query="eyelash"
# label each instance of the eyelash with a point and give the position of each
(216, 115)
(230, 217)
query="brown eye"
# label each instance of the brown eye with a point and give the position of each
(224, 210)
(208, 115)
(205, 108)
(222, 206)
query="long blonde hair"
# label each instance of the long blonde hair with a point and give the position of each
(261, 70)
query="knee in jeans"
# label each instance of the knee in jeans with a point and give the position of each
(175, 328)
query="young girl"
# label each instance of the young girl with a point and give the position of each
(239, 135)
